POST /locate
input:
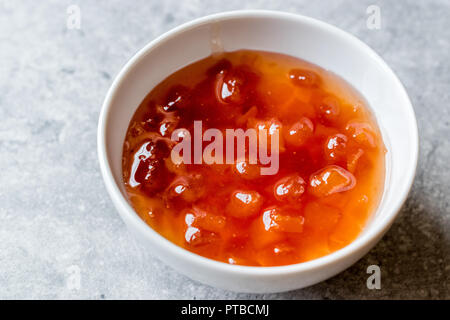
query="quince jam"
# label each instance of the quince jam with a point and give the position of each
(330, 155)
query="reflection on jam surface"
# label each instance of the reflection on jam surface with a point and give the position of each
(331, 161)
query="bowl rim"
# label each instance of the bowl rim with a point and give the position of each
(363, 242)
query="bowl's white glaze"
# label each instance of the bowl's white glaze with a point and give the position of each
(285, 33)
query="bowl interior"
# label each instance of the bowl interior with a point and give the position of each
(305, 38)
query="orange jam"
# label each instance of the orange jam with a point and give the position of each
(331, 160)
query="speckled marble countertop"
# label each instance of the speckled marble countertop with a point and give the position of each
(57, 224)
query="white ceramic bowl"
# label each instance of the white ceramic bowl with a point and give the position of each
(290, 34)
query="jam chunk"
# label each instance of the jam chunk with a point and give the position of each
(328, 108)
(147, 169)
(202, 228)
(290, 189)
(233, 85)
(246, 170)
(299, 133)
(329, 180)
(362, 133)
(244, 204)
(336, 147)
(304, 78)
(278, 219)
(186, 188)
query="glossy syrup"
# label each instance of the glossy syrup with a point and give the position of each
(331, 173)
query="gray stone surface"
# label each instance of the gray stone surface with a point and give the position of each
(56, 218)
